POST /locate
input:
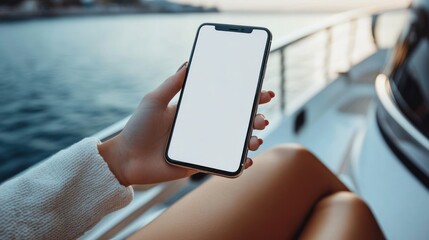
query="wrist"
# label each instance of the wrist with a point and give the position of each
(111, 153)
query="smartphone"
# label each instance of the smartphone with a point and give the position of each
(219, 99)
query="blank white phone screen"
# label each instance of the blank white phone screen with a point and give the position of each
(216, 105)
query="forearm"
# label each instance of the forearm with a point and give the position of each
(62, 197)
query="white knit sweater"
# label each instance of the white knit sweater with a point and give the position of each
(62, 197)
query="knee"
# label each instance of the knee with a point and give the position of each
(292, 151)
(346, 201)
(344, 215)
(293, 155)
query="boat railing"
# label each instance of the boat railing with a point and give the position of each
(324, 41)
(331, 47)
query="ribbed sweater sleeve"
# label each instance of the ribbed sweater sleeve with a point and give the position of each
(62, 197)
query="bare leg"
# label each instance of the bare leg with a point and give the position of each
(271, 200)
(342, 215)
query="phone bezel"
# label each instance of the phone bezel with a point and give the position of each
(238, 29)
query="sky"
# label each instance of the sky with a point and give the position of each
(294, 5)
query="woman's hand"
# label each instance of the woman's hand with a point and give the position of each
(136, 155)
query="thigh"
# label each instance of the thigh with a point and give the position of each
(342, 215)
(271, 200)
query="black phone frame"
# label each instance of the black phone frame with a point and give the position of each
(238, 29)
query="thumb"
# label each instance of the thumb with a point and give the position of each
(170, 87)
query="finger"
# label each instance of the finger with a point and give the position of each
(266, 96)
(254, 143)
(170, 87)
(248, 163)
(260, 122)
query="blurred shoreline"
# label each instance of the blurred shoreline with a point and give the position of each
(32, 9)
(293, 6)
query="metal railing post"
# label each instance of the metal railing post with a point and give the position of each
(352, 41)
(282, 80)
(374, 20)
(328, 52)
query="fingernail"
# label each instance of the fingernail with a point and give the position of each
(250, 162)
(260, 141)
(266, 122)
(272, 94)
(182, 66)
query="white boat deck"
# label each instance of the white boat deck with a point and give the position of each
(334, 116)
